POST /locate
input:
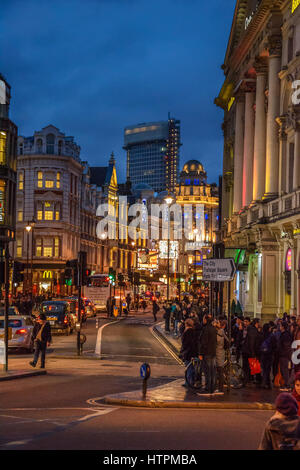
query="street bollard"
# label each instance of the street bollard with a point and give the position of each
(145, 372)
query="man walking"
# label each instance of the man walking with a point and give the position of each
(207, 353)
(42, 338)
(155, 310)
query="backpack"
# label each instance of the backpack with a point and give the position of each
(266, 347)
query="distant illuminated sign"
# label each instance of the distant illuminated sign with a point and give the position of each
(147, 261)
(173, 251)
(295, 4)
(47, 275)
(288, 264)
(2, 92)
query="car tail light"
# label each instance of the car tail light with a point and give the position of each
(66, 320)
(22, 331)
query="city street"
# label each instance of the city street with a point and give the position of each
(58, 411)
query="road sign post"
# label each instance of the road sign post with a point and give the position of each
(219, 270)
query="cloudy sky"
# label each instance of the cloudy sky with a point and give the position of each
(92, 67)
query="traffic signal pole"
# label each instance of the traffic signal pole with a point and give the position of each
(79, 302)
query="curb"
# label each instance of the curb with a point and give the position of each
(92, 358)
(22, 375)
(197, 405)
(165, 339)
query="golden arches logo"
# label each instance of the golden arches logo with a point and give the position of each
(47, 275)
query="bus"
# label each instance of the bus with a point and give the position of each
(98, 290)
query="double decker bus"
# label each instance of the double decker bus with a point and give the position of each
(98, 290)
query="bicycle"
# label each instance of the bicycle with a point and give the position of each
(195, 369)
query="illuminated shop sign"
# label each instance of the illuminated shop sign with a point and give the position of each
(47, 275)
(295, 4)
(2, 201)
(173, 251)
(147, 260)
(288, 263)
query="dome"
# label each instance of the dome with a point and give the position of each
(193, 166)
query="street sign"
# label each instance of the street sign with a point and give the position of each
(219, 270)
(145, 371)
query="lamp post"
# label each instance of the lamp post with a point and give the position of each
(195, 231)
(28, 230)
(168, 201)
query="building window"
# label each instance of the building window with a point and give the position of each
(21, 149)
(20, 216)
(57, 215)
(40, 179)
(48, 251)
(19, 247)
(60, 145)
(49, 184)
(48, 215)
(58, 180)
(56, 247)
(50, 141)
(39, 146)
(40, 215)
(21, 181)
(2, 148)
(38, 247)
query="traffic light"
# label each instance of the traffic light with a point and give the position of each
(18, 275)
(130, 277)
(136, 279)
(68, 274)
(86, 274)
(112, 275)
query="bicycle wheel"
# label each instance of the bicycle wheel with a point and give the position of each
(236, 376)
(191, 377)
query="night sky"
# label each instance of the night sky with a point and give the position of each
(92, 67)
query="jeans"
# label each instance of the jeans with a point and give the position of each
(210, 373)
(284, 369)
(176, 327)
(266, 365)
(40, 347)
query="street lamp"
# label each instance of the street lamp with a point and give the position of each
(28, 229)
(168, 201)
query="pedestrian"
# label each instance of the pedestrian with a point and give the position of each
(282, 431)
(252, 344)
(296, 391)
(189, 347)
(155, 310)
(267, 350)
(177, 318)
(222, 341)
(42, 338)
(285, 355)
(167, 315)
(144, 305)
(128, 302)
(207, 353)
(245, 351)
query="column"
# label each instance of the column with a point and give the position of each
(248, 150)
(238, 155)
(282, 187)
(272, 151)
(259, 159)
(296, 176)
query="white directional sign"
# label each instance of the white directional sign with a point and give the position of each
(219, 270)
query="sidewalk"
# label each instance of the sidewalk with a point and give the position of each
(174, 395)
(20, 374)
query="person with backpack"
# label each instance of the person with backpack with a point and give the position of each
(282, 431)
(267, 350)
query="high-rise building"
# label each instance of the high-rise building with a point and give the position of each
(153, 153)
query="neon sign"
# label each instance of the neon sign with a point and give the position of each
(288, 264)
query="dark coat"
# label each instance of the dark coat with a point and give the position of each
(208, 342)
(46, 333)
(189, 345)
(285, 345)
(251, 346)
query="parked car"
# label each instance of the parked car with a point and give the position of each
(59, 316)
(74, 304)
(21, 331)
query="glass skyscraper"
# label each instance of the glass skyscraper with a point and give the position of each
(153, 154)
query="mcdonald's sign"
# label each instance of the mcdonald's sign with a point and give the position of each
(47, 275)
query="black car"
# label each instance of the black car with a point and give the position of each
(58, 315)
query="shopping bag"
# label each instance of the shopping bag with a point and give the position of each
(278, 381)
(254, 365)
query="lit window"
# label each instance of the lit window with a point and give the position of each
(58, 180)
(56, 247)
(38, 245)
(40, 215)
(48, 215)
(21, 181)
(40, 179)
(57, 215)
(19, 248)
(49, 184)
(20, 216)
(48, 251)
(2, 148)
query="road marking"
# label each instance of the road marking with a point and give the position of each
(165, 346)
(99, 337)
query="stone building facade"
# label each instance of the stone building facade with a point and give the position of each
(261, 164)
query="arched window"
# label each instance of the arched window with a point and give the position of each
(50, 139)
(39, 146)
(60, 147)
(21, 149)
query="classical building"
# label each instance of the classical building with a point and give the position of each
(194, 190)
(261, 164)
(153, 152)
